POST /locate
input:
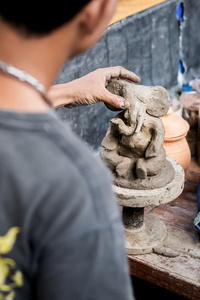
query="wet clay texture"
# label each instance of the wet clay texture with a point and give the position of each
(133, 146)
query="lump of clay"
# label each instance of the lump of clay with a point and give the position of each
(133, 146)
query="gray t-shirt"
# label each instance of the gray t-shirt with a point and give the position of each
(70, 244)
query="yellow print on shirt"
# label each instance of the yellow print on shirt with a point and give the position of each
(10, 277)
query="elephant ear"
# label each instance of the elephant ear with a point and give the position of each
(158, 102)
(109, 142)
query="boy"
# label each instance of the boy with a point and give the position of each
(59, 222)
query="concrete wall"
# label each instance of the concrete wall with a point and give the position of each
(190, 47)
(146, 43)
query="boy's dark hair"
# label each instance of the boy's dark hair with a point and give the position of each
(36, 18)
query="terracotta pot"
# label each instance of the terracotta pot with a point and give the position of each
(175, 143)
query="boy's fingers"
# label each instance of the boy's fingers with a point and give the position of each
(129, 75)
(115, 72)
(115, 102)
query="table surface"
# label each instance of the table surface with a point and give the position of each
(126, 8)
(180, 274)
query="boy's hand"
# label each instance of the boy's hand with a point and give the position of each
(91, 89)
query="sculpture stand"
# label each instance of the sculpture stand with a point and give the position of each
(145, 232)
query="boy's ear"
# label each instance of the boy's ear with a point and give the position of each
(94, 18)
(92, 15)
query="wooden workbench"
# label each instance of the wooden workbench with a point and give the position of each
(180, 274)
(126, 8)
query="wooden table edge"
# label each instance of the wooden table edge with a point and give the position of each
(161, 278)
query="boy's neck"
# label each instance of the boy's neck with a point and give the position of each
(37, 57)
(19, 96)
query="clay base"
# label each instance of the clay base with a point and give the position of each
(143, 198)
(151, 182)
(152, 234)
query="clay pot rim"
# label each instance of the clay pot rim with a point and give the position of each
(174, 138)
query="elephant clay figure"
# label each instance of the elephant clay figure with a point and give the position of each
(133, 146)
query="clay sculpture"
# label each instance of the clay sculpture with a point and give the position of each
(133, 146)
